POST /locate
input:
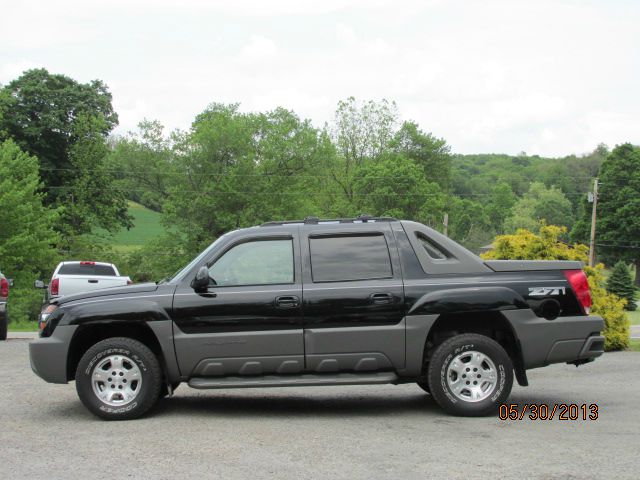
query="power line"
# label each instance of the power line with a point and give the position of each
(616, 245)
(267, 175)
(301, 192)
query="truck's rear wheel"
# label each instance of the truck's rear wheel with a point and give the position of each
(119, 379)
(470, 375)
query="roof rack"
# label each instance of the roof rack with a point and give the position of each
(363, 218)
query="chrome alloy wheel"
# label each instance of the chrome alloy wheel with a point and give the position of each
(472, 376)
(116, 380)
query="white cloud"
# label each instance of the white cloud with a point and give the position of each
(547, 77)
(259, 49)
(10, 71)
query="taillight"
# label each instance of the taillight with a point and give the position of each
(129, 282)
(580, 286)
(55, 286)
(4, 287)
(87, 263)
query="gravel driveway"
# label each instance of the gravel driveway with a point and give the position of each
(365, 432)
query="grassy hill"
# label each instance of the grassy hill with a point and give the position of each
(146, 227)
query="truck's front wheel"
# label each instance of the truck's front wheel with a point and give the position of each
(119, 379)
(470, 375)
(3, 326)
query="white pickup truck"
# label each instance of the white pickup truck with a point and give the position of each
(75, 277)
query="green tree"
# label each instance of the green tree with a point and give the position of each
(92, 199)
(501, 201)
(621, 283)
(469, 223)
(395, 186)
(360, 132)
(235, 169)
(526, 245)
(618, 225)
(27, 236)
(47, 115)
(540, 204)
(429, 152)
(142, 164)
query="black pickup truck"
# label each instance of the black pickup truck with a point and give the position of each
(323, 302)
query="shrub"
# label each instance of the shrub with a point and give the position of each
(525, 245)
(610, 307)
(621, 283)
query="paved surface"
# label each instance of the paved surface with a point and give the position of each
(635, 331)
(322, 433)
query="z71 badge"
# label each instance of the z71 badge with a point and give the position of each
(545, 291)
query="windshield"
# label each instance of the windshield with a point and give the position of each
(180, 274)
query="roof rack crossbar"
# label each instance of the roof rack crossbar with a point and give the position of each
(310, 220)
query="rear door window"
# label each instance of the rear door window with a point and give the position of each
(87, 269)
(349, 257)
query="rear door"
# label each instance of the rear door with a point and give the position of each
(353, 298)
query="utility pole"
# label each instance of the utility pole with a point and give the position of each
(592, 238)
(446, 225)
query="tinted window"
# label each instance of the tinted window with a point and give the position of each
(260, 262)
(77, 269)
(341, 258)
(432, 249)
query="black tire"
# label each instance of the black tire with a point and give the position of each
(424, 385)
(3, 327)
(440, 377)
(134, 355)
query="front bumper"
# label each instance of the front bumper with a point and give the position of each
(574, 339)
(49, 355)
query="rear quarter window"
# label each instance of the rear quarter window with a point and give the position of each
(77, 269)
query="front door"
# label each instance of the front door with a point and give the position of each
(249, 321)
(353, 299)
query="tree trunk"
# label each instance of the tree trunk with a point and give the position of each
(637, 263)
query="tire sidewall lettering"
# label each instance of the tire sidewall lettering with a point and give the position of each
(111, 351)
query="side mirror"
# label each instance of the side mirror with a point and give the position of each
(39, 284)
(201, 281)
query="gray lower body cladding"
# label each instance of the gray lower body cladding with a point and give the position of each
(565, 339)
(49, 355)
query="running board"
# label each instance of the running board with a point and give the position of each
(304, 380)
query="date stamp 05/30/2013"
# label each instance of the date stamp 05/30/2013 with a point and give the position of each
(542, 411)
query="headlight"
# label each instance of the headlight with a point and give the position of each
(44, 315)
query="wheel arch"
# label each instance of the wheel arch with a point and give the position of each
(157, 336)
(492, 324)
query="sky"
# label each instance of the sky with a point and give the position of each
(545, 77)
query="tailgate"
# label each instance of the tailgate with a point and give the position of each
(70, 284)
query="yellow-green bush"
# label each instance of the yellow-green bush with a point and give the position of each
(610, 307)
(525, 245)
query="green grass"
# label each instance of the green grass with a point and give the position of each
(23, 326)
(146, 227)
(634, 317)
(634, 345)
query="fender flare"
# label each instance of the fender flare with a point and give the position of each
(141, 313)
(469, 299)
